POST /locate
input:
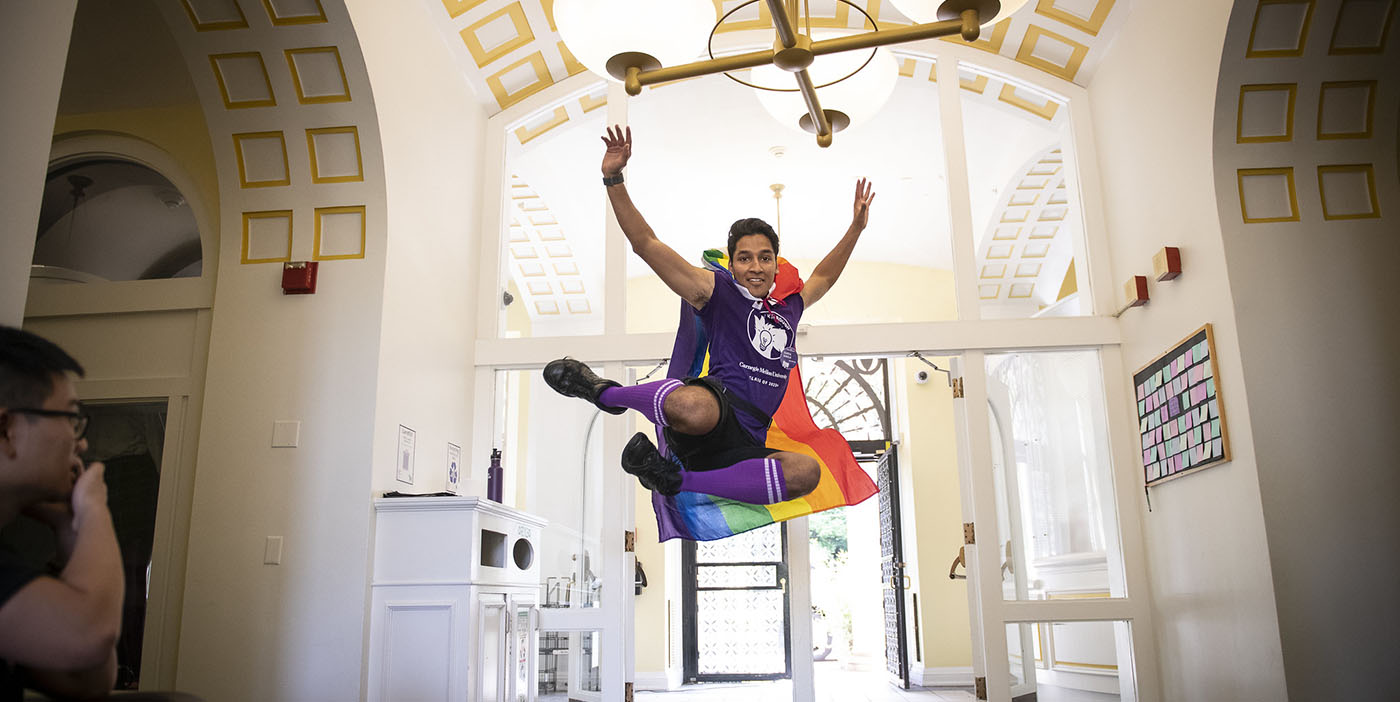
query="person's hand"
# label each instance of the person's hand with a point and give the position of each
(861, 208)
(89, 494)
(619, 150)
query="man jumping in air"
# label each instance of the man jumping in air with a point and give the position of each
(716, 424)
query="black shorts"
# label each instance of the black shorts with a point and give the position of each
(726, 444)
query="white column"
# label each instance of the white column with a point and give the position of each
(34, 49)
(800, 612)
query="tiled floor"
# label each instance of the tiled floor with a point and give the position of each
(833, 684)
(836, 684)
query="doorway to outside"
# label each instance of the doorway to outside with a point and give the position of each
(737, 618)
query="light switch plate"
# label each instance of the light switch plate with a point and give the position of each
(286, 433)
(272, 551)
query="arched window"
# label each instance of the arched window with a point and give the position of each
(110, 219)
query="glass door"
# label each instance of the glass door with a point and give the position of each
(560, 463)
(1058, 607)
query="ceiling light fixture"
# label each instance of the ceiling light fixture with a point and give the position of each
(593, 28)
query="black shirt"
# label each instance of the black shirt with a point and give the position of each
(15, 573)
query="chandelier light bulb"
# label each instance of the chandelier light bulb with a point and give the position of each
(924, 11)
(859, 97)
(673, 32)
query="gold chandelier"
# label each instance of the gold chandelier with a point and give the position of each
(794, 51)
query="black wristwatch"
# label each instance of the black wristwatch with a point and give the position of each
(612, 180)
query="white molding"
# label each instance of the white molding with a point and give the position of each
(935, 338)
(454, 504)
(657, 680)
(943, 676)
(118, 297)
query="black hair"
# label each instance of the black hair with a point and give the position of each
(748, 227)
(28, 363)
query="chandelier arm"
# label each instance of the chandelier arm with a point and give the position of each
(782, 23)
(814, 106)
(967, 26)
(885, 37)
(705, 67)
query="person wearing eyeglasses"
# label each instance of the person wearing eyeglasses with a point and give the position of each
(58, 632)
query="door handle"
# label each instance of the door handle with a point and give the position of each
(782, 582)
(961, 560)
(908, 583)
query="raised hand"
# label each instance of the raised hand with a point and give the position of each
(89, 494)
(861, 208)
(619, 150)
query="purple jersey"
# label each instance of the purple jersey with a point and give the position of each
(753, 346)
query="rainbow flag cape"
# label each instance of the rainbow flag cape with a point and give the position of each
(701, 517)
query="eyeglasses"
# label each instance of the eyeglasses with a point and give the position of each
(77, 419)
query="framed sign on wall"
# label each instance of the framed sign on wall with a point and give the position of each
(1181, 419)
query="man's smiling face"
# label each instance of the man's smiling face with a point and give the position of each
(754, 264)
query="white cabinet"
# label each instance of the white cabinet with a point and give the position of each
(455, 601)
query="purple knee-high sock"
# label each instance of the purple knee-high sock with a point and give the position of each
(757, 481)
(647, 398)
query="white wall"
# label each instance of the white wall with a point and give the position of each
(1213, 594)
(1318, 336)
(432, 137)
(33, 36)
(292, 631)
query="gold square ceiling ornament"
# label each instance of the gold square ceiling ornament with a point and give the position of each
(1011, 95)
(498, 34)
(1348, 191)
(520, 80)
(1346, 109)
(1053, 53)
(1089, 25)
(538, 127)
(1267, 195)
(1280, 28)
(243, 80)
(318, 75)
(1265, 113)
(285, 13)
(215, 15)
(262, 159)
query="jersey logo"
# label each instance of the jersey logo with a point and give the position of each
(768, 333)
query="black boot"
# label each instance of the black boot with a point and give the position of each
(574, 379)
(653, 470)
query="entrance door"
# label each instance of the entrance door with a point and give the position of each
(892, 570)
(737, 618)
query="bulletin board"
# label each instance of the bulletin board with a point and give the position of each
(1181, 419)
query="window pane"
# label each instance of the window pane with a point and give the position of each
(107, 219)
(569, 665)
(1024, 210)
(1071, 660)
(1056, 517)
(552, 253)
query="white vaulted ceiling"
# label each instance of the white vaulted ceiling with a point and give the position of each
(704, 152)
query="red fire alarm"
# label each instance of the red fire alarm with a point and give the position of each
(299, 277)
(1166, 264)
